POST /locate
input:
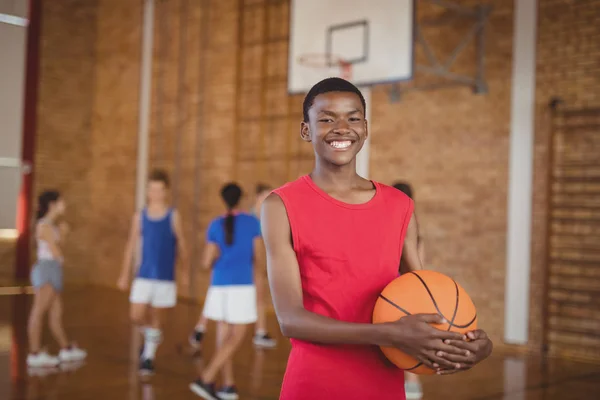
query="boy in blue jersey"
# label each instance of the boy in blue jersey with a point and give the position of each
(232, 241)
(158, 229)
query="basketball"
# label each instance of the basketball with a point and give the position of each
(424, 292)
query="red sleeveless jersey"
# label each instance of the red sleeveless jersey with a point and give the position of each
(347, 254)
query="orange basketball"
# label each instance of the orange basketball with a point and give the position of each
(424, 292)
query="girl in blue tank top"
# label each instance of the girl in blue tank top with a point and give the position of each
(232, 241)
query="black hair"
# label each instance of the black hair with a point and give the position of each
(330, 85)
(262, 187)
(44, 200)
(159, 175)
(231, 194)
(405, 188)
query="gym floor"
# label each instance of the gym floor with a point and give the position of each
(98, 320)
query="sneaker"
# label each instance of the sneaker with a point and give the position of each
(146, 367)
(196, 339)
(71, 366)
(264, 340)
(42, 359)
(228, 393)
(204, 390)
(42, 371)
(413, 390)
(72, 353)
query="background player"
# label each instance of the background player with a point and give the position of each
(232, 242)
(157, 231)
(47, 279)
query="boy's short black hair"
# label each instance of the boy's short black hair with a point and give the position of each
(330, 85)
(262, 187)
(405, 188)
(159, 175)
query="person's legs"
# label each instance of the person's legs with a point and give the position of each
(55, 322)
(236, 306)
(41, 302)
(261, 336)
(412, 386)
(223, 333)
(153, 334)
(68, 352)
(225, 352)
(162, 298)
(198, 333)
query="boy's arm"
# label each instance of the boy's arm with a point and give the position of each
(46, 233)
(181, 247)
(134, 233)
(211, 252)
(410, 250)
(411, 334)
(479, 347)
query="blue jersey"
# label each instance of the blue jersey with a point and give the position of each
(159, 247)
(235, 264)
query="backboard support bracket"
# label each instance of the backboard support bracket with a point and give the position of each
(441, 68)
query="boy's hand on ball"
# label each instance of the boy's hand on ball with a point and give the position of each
(476, 348)
(422, 341)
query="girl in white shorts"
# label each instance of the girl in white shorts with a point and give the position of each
(232, 241)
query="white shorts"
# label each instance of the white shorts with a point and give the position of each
(235, 304)
(158, 294)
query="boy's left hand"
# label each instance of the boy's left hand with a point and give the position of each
(476, 350)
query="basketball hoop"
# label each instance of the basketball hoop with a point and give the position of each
(325, 61)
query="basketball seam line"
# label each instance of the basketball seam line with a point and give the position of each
(394, 305)
(436, 306)
(451, 323)
(405, 312)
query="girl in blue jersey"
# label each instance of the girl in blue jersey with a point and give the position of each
(156, 232)
(232, 242)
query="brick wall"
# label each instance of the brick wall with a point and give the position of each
(87, 126)
(220, 111)
(452, 146)
(65, 111)
(568, 67)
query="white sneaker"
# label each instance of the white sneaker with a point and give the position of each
(71, 354)
(42, 359)
(264, 340)
(413, 390)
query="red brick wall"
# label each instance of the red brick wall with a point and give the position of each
(227, 109)
(452, 146)
(568, 67)
(87, 126)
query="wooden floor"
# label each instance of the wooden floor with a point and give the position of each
(97, 319)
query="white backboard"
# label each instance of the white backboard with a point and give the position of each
(375, 36)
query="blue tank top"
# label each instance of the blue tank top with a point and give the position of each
(159, 247)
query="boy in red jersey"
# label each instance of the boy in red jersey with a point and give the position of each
(334, 240)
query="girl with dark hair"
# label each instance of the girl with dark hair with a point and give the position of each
(47, 279)
(233, 240)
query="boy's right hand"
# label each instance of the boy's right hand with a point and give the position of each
(415, 336)
(123, 282)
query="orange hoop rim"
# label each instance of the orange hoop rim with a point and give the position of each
(324, 60)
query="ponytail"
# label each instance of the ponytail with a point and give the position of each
(44, 200)
(231, 194)
(41, 211)
(229, 227)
